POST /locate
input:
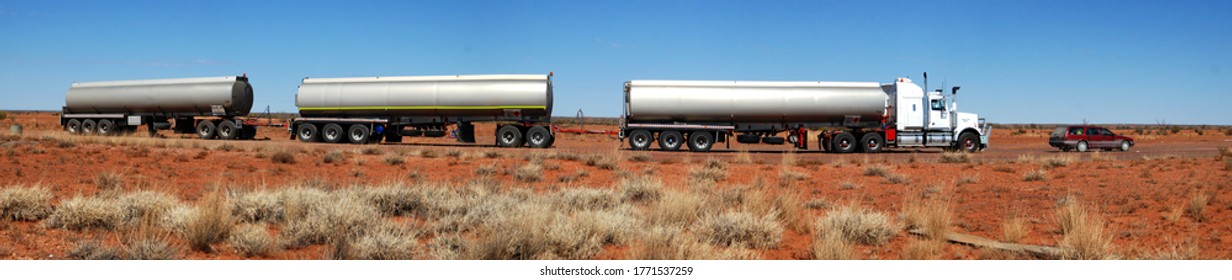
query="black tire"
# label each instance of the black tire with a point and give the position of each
(872, 142)
(227, 130)
(307, 133)
(844, 143)
(1124, 147)
(701, 141)
(509, 136)
(73, 126)
(105, 127)
(1082, 147)
(824, 143)
(640, 140)
(206, 129)
(539, 137)
(332, 133)
(88, 126)
(359, 134)
(670, 140)
(968, 142)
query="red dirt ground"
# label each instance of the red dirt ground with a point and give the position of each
(1139, 192)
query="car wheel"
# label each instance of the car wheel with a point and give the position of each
(1124, 146)
(1082, 147)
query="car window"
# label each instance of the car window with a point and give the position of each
(1060, 131)
(1105, 132)
(1075, 131)
(1092, 131)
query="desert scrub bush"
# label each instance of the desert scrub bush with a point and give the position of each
(741, 229)
(876, 170)
(257, 206)
(617, 225)
(955, 157)
(371, 151)
(394, 159)
(831, 246)
(711, 171)
(322, 221)
(930, 216)
(92, 250)
(392, 200)
(20, 203)
(607, 161)
(136, 205)
(80, 213)
(895, 178)
(787, 176)
(108, 181)
(640, 189)
(283, 157)
(791, 212)
(252, 240)
(454, 153)
(1057, 161)
(211, 223)
(585, 199)
(333, 156)
(1083, 233)
(672, 243)
(387, 241)
(848, 186)
(530, 172)
(1035, 175)
(151, 249)
(1197, 206)
(534, 231)
(447, 247)
(1014, 229)
(927, 249)
(639, 157)
(857, 225)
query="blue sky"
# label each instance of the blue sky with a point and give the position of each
(1018, 62)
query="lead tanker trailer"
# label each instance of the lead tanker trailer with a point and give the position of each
(209, 107)
(371, 109)
(867, 116)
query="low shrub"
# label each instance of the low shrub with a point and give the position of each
(741, 229)
(283, 157)
(252, 240)
(25, 203)
(857, 225)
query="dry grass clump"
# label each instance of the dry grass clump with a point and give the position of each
(486, 170)
(848, 186)
(741, 229)
(371, 151)
(1197, 206)
(333, 156)
(80, 213)
(791, 212)
(1083, 233)
(326, 220)
(856, 224)
(586, 199)
(639, 157)
(608, 161)
(252, 240)
(212, 222)
(1014, 229)
(930, 216)
(387, 242)
(108, 181)
(258, 206)
(832, 246)
(92, 250)
(676, 208)
(394, 159)
(711, 171)
(1035, 175)
(956, 157)
(448, 247)
(394, 200)
(1057, 161)
(530, 172)
(151, 249)
(283, 157)
(895, 178)
(640, 189)
(672, 243)
(787, 176)
(20, 203)
(876, 170)
(928, 249)
(534, 231)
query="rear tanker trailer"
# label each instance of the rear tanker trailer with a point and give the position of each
(859, 116)
(210, 107)
(372, 109)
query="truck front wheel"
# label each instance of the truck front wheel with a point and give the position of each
(967, 142)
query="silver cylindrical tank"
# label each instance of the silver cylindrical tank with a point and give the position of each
(229, 96)
(449, 96)
(749, 101)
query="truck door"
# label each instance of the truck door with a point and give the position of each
(937, 116)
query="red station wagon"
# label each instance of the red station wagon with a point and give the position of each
(1085, 137)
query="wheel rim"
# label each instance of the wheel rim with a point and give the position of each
(331, 134)
(225, 131)
(357, 135)
(1082, 147)
(205, 131)
(844, 144)
(969, 144)
(701, 142)
(305, 134)
(104, 129)
(1124, 146)
(672, 141)
(641, 140)
(536, 138)
(872, 144)
(74, 128)
(507, 137)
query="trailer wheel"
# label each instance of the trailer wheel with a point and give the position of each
(844, 143)
(227, 130)
(307, 132)
(670, 140)
(640, 140)
(872, 142)
(358, 133)
(967, 142)
(538, 137)
(700, 141)
(206, 129)
(73, 126)
(824, 143)
(332, 133)
(509, 136)
(88, 126)
(104, 127)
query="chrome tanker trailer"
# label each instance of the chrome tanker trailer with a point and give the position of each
(369, 109)
(862, 116)
(208, 107)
